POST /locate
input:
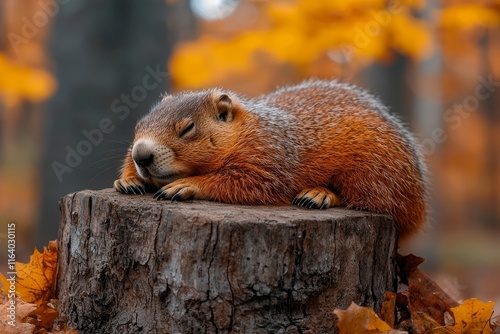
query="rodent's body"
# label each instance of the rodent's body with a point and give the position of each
(318, 144)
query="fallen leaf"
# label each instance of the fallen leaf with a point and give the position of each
(22, 328)
(424, 323)
(406, 265)
(360, 319)
(388, 310)
(14, 317)
(35, 281)
(473, 316)
(43, 316)
(402, 313)
(424, 295)
(423, 308)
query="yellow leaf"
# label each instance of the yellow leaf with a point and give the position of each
(35, 281)
(468, 15)
(281, 13)
(299, 33)
(360, 319)
(19, 82)
(411, 36)
(416, 4)
(188, 66)
(348, 7)
(472, 316)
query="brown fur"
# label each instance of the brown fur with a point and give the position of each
(318, 144)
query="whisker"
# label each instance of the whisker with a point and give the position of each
(105, 170)
(123, 143)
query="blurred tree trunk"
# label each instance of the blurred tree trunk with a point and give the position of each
(491, 109)
(388, 83)
(110, 61)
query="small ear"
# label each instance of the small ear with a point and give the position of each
(225, 108)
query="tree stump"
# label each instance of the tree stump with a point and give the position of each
(131, 264)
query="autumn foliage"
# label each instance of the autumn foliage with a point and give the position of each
(35, 280)
(423, 307)
(301, 33)
(19, 82)
(35, 304)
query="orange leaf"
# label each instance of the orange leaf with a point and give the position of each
(44, 316)
(360, 319)
(424, 295)
(473, 316)
(388, 311)
(35, 281)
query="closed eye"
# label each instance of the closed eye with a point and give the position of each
(223, 116)
(187, 129)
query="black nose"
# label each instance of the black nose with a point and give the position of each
(142, 154)
(145, 162)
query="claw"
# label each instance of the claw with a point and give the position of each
(311, 204)
(130, 186)
(138, 190)
(123, 189)
(316, 198)
(303, 201)
(176, 196)
(179, 190)
(159, 194)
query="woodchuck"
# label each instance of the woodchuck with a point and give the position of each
(317, 145)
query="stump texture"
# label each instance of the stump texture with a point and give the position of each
(131, 264)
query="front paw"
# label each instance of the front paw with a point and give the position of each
(179, 190)
(317, 198)
(130, 185)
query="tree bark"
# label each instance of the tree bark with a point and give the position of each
(131, 264)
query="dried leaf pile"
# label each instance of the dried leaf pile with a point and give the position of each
(423, 307)
(35, 305)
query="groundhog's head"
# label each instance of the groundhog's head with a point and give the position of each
(183, 135)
